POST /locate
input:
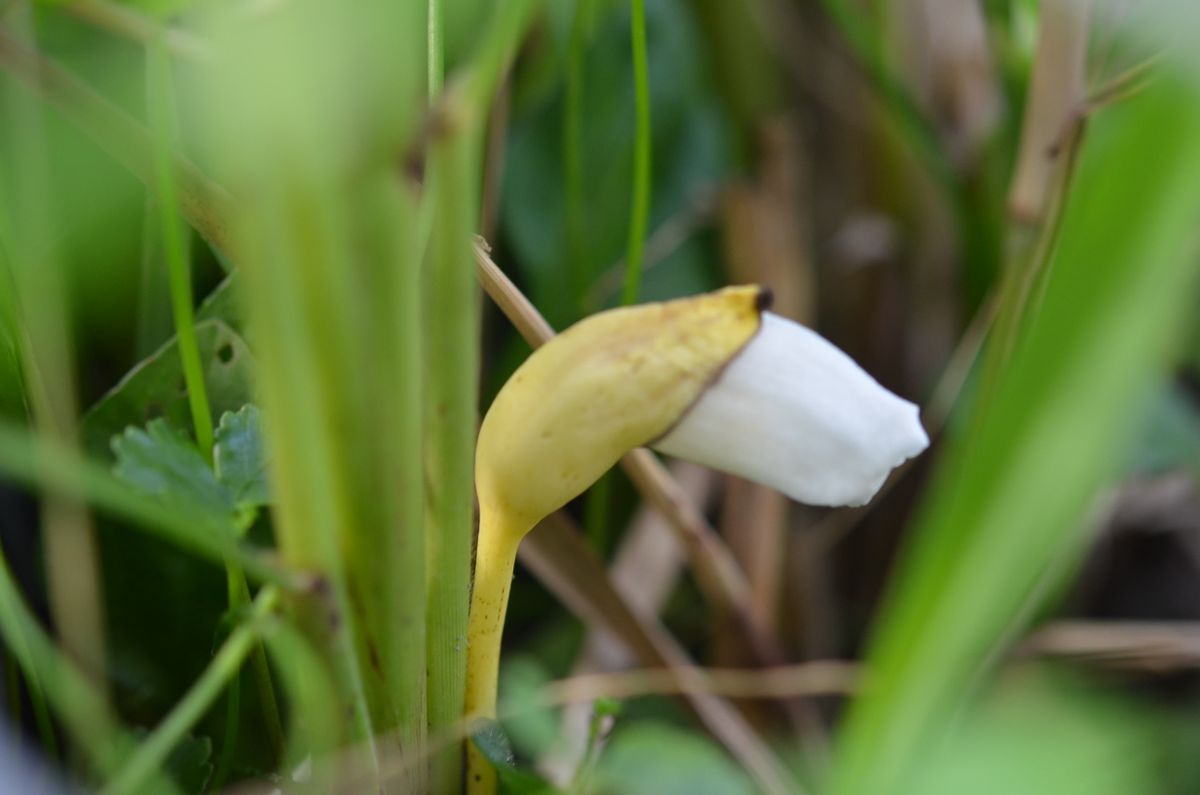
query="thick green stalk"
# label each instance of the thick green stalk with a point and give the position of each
(390, 566)
(452, 355)
(295, 299)
(452, 367)
(640, 204)
(152, 752)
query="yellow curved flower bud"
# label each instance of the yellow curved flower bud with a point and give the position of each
(712, 379)
(612, 382)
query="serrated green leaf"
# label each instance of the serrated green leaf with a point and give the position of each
(155, 387)
(162, 461)
(239, 457)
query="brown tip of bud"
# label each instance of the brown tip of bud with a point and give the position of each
(764, 299)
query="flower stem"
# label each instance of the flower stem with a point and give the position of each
(495, 559)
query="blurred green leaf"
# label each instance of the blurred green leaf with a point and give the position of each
(222, 304)
(656, 759)
(163, 461)
(690, 154)
(239, 458)
(190, 764)
(532, 728)
(1042, 736)
(493, 743)
(155, 387)
(12, 382)
(1170, 434)
(1006, 514)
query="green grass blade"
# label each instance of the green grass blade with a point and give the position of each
(84, 712)
(175, 244)
(1008, 509)
(226, 664)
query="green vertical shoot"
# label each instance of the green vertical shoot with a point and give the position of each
(175, 244)
(640, 205)
(572, 132)
(436, 56)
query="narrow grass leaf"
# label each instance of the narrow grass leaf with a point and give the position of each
(1008, 507)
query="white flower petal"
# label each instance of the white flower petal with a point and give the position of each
(795, 413)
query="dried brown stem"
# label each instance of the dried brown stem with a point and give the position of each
(1056, 94)
(818, 678)
(563, 562)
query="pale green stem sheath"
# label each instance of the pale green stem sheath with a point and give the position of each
(640, 204)
(453, 356)
(225, 665)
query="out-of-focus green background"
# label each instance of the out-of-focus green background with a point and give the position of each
(992, 206)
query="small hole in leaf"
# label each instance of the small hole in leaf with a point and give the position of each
(153, 411)
(225, 353)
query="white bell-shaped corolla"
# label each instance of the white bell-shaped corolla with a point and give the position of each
(793, 412)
